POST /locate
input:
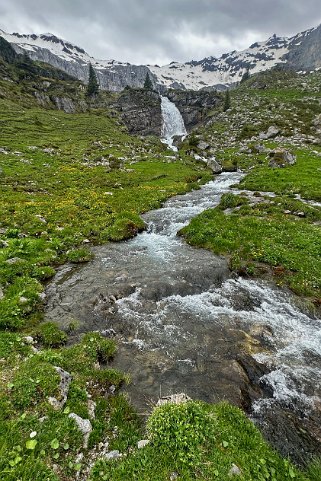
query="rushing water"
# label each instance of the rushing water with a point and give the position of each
(173, 123)
(184, 324)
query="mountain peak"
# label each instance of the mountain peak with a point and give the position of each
(301, 52)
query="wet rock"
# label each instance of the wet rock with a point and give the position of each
(84, 426)
(174, 399)
(140, 110)
(293, 435)
(281, 158)
(193, 105)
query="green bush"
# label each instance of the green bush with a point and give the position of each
(230, 201)
(181, 429)
(50, 335)
(80, 255)
(33, 383)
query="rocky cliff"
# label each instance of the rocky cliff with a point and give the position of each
(140, 111)
(194, 105)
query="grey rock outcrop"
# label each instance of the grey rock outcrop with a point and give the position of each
(281, 158)
(194, 105)
(84, 426)
(214, 165)
(65, 380)
(270, 134)
(140, 111)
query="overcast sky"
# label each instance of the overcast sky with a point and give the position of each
(160, 31)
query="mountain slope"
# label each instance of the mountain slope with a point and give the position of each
(300, 52)
(48, 48)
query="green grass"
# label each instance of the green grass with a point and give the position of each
(303, 178)
(67, 182)
(58, 191)
(252, 236)
(25, 407)
(203, 442)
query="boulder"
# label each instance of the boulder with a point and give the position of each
(202, 145)
(270, 134)
(281, 158)
(214, 165)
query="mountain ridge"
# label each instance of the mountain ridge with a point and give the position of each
(300, 52)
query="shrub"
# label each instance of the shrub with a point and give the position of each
(50, 335)
(79, 255)
(182, 430)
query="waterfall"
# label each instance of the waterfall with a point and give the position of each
(173, 123)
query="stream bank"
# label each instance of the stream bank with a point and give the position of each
(183, 323)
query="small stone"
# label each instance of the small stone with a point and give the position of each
(173, 476)
(29, 340)
(13, 260)
(174, 399)
(1, 293)
(91, 408)
(23, 300)
(42, 219)
(141, 444)
(203, 145)
(33, 434)
(112, 389)
(113, 455)
(271, 132)
(84, 426)
(235, 471)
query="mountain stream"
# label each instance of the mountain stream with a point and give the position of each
(184, 323)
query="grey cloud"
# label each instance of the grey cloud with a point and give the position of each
(150, 31)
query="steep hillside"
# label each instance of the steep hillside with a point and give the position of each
(112, 75)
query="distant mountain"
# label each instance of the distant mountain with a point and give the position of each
(301, 52)
(112, 75)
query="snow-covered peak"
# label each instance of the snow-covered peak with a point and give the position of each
(57, 46)
(301, 52)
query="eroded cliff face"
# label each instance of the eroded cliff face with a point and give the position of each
(194, 105)
(305, 54)
(140, 110)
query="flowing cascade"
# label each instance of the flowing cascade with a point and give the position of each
(173, 123)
